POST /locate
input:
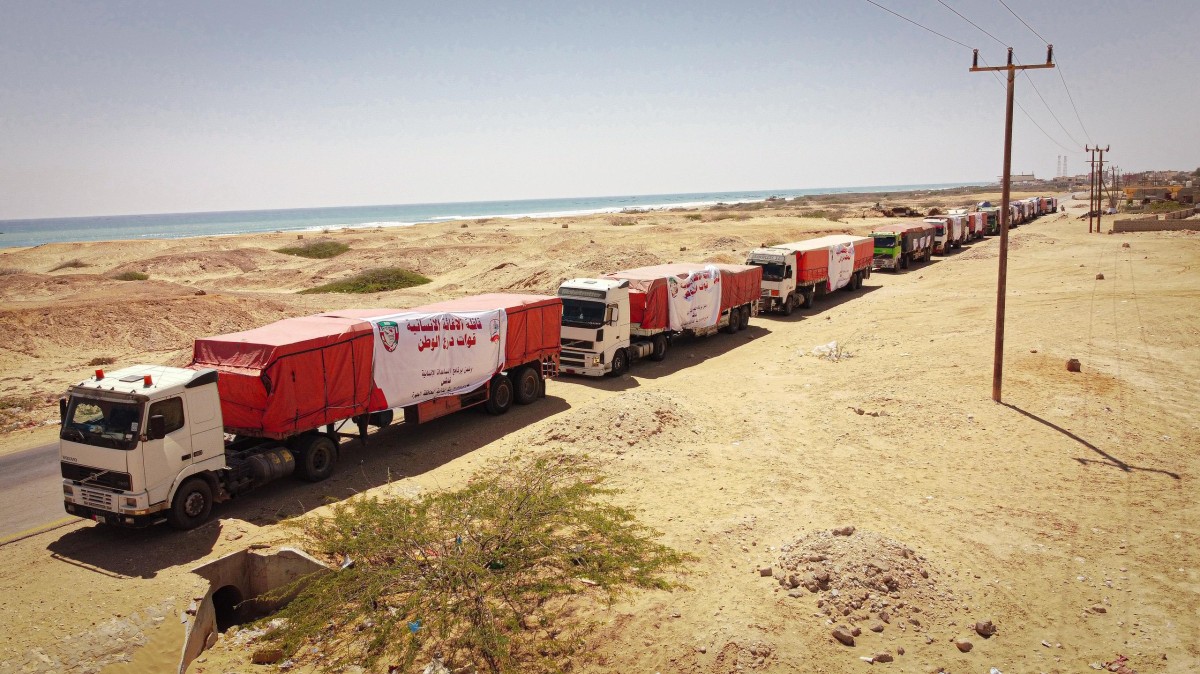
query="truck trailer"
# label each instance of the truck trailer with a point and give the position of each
(611, 321)
(151, 443)
(795, 273)
(900, 244)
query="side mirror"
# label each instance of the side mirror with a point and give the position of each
(157, 428)
(787, 273)
(62, 411)
(611, 314)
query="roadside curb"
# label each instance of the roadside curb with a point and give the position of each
(38, 530)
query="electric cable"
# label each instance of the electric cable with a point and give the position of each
(919, 25)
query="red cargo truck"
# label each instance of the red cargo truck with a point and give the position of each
(794, 273)
(153, 443)
(611, 321)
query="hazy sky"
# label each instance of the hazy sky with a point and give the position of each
(144, 107)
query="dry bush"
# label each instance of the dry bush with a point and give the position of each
(489, 575)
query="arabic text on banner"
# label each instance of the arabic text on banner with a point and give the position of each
(695, 301)
(421, 356)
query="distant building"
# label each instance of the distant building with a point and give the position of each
(1018, 178)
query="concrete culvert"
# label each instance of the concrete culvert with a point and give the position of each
(225, 605)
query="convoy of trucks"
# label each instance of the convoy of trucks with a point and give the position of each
(151, 443)
(901, 244)
(793, 274)
(624, 316)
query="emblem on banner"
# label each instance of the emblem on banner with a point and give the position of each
(389, 334)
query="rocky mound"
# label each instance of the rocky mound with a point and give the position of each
(866, 579)
(614, 425)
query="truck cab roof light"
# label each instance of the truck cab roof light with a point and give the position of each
(99, 375)
(147, 381)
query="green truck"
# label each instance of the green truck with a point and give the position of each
(899, 244)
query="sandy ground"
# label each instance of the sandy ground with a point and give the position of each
(1067, 516)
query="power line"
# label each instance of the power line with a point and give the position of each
(919, 25)
(1002, 44)
(1048, 109)
(1010, 10)
(1072, 99)
(1029, 116)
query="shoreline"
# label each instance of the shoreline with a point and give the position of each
(232, 227)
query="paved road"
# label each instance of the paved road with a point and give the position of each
(30, 490)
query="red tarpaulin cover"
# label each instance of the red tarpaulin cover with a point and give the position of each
(299, 374)
(740, 284)
(292, 375)
(648, 289)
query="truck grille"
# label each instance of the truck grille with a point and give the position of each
(578, 344)
(573, 358)
(97, 499)
(78, 473)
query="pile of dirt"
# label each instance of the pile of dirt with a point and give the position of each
(614, 259)
(198, 264)
(865, 578)
(613, 425)
(727, 243)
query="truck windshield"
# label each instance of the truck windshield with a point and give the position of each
(885, 241)
(772, 271)
(102, 423)
(582, 313)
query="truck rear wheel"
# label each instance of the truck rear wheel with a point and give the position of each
(744, 322)
(317, 454)
(902, 265)
(500, 395)
(731, 327)
(528, 385)
(192, 504)
(661, 344)
(806, 297)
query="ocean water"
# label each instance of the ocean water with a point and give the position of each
(15, 233)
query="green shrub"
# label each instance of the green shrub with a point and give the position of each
(71, 264)
(131, 276)
(102, 360)
(372, 281)
(489, 575)
(321, 249)
(692, 216)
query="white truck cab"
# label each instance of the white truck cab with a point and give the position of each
(130, 438)
(778, 278)
(595, 326)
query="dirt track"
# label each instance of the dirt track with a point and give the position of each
(1076, 495)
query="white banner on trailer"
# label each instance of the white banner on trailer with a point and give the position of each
(695, 301)
(841, 265)
(422, 356)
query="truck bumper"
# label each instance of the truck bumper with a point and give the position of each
(127, 520)
(885, 263)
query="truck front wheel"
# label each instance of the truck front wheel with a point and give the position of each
(789, 304)
(807, 297)
(317, 456)
(620, 363)
(192, 504)
(528, 385)
(500, 395)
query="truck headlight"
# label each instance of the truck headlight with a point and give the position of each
(595, 360)
(67, 490)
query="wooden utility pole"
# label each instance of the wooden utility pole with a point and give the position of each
(1091, 184)
(998, 359)
(1097, 202)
